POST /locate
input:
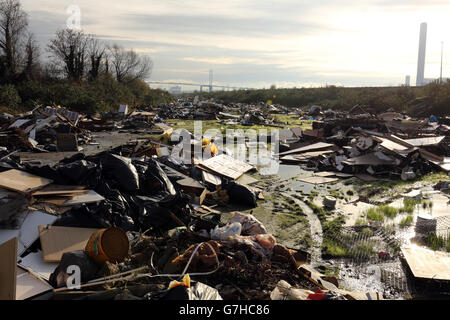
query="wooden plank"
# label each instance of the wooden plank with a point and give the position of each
(57, 240)
(50, 156)
(90, 197)
(428, 264)
(22, 181)
(427, 154)
(325, 174)
(393, 146)
(311, 147)
(8, 261)
(60, 190)
(58, 201)
(427, 141)
(305, 156)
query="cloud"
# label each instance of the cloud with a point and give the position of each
(258, 42)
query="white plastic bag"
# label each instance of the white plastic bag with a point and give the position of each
(228, 231)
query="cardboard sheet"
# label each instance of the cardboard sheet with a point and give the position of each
(305, 156)
(211, 178)
(53, 190)
(35, 262)
(226, 166)
(311, 147)
(428, 141)
(57, 240)
(19, 123)
(29, 232)
(58, 201)
(90, 197)
(428, 264)
(325, 174)
(28, 286)
(21, 181)
(8, 260)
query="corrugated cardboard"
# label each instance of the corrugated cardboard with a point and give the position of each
(57, 240)
(8, 261)
(29, 285)
(22, 181)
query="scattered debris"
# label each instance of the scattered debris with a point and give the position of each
(134, 217)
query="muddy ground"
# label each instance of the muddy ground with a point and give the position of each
(291, 212)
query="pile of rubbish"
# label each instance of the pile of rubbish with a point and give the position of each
(43, 129)
(371, 147)
(134, 217)
(190, 109)
(239, 113)
(133, 221)
(122, 224)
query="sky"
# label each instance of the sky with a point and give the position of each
(259, 43)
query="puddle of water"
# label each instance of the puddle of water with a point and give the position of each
(304, 187)
(288, 171)
(441, 206)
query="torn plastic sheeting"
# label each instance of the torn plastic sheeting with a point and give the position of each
(88, 268)
(284, 291)
(173, 174)
(156, 176)
(159, 210)
(241, 194)
(117, 210)
(134, 212)
(174, 163)
(83, 217)
(197, 291)
(201, 291)
(250, 225)
(228, 231)
(261, 245)
(122, 169)
(79, 172)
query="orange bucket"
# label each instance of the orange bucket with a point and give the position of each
(108, 245)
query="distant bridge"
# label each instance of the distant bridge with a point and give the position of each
(210, 86)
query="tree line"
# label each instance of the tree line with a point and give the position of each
(82, 73)
(434, 98)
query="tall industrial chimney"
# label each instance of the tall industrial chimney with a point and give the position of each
(407, 81)
(420, 80)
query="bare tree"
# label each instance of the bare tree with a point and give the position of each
(69, 48)
(13, 25)
(127, 65)
(32, 53)
(97, 52)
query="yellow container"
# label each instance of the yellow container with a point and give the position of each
(108, 245)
